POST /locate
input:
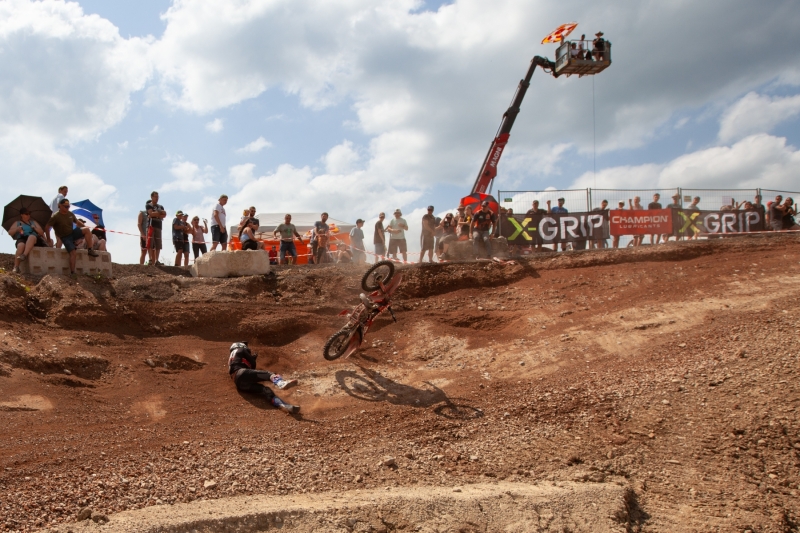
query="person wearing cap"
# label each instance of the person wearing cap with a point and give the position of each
(70, 229)
(99, 232)
(397, 240)
(357, 243)
(219, 232)
(482, 224)
(27, 233)
(448, 225)
(379, 237)
(558, 209)
(599, 47)
(155, 216)
(180, 239)
(288, 233)
(676, 204)
(427, 236)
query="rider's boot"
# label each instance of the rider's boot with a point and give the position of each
(289, 408)
(281, 383)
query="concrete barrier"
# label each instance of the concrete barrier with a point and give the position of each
(43, 261)
(231, 264)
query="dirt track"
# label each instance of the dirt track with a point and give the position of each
(671, 373)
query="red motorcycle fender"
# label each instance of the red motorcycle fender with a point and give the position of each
(355, 342)
(345, 312)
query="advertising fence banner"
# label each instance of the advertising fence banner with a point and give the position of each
(555, 228)
(640, 222)
(687, 223)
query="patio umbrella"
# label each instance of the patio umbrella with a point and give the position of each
(40, 211)
(560, 33)
(475, 199)
(85, 209)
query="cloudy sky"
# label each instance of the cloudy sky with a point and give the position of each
(358, 106)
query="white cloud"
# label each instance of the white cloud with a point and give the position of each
(123, 145)
(188, 177)
(341, 158)
(215, 126)
(241, 175)
(255, 146)
(756, 113)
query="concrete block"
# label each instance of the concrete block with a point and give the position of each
(462, 250)
(43, 261)
(231, 264)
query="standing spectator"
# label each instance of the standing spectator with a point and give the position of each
(273, 255)
(655, 204)
(397, 240)
(288, 233)
(599, 47)
(219, 232)
(99, 232)
(464, 222)
(558, 209)
(27, 233)
(775, 214)
(598, 242)
(62, 193)
(437, 235)
(155, 214)
(534, 210)
(62, 222)
(693, 207)
(357, 242)
(143, 222)
(198, 237)
(319, 239)
(379, 239)
(758, 206)
(615, 238)
(789, 210)
(676, 204)
(180, 239)
(448, 227)
(482, 224)
(636, 205)
(426, 238)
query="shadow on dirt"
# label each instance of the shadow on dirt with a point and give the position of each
(374, 387)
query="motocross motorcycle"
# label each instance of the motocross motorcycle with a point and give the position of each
(380, 282)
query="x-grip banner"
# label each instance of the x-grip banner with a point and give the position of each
(554, 227)
(687, 222)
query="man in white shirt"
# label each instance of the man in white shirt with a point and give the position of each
(219, 232)
(62, 193)
(397, 229)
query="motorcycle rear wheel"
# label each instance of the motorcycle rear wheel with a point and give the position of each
(382, 272)
(336, 345)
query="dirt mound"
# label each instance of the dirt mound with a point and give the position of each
(173, 363)
(81, 365)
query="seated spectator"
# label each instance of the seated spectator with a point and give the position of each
(99, 233)
(273, 255)
(789, 211)
(27, 233)
(247, 235)
(344, 254)
(62, 222)
(448, 227)
(247, 215)
(198, 237)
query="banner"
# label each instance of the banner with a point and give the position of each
(687, 222)
(555, 228)
(640, 222)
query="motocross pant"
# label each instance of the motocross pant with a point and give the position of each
(248, 380)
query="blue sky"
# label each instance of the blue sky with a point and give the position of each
(356, 106)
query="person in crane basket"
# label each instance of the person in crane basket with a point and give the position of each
(242, 369)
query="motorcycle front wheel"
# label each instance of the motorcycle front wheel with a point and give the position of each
(382, 272)
(336, 345)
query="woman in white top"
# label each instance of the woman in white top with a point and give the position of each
(198, 239)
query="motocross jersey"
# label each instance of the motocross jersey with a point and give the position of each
(240, 357)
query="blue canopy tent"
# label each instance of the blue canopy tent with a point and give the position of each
(85, 209)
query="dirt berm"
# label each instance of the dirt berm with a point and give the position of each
(653, 389)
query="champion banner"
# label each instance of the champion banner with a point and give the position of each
(640, 222)
(555, 228)
(687, 223)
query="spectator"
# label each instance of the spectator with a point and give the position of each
(219, 232)
(448, 227)
(288, 233)
(676, 204)
(273, 255)
(247, 215)
(343, 253)
(437, 235)
(247, 235)
(62, 222)
(155, 216)
(598, 242)
(198, 237)
(379, 239)
(62, 193)
(180, 239)
(556, 210)
(426, 238)
(482, 224)
(599, 47)
(758, 206)
(655, 204)
(789, 210)
(775, 214)
(99, 232)
(142, 223)
(464, 222)
(636, 205)
(397, 236)
(693, 207)
(746, 205)
(615, 238)
(357, 243)
(27, 233)
(319, 239)
(534, 210)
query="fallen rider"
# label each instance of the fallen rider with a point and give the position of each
(242, 368)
